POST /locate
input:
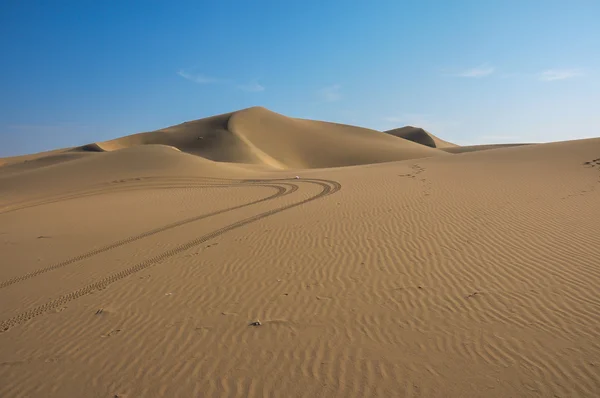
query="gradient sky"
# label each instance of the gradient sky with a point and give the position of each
(471, 72)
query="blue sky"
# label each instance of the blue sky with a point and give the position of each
(471, 72)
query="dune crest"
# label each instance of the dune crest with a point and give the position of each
(420, 136)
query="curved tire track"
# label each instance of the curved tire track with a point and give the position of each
(281, 191)
(328, 188)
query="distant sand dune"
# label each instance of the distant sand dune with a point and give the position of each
(420, 136)
(475, 148)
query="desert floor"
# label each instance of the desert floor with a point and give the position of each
(137, 270)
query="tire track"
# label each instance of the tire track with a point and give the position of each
(281, 191)
(328, 188)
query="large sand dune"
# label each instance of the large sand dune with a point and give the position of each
(257, 135)
(134, 267)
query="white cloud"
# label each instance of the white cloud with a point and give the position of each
(253, 87)
(197, 77)
(510, 75)
(201, 78)
(559, 74)
(480, 71)
(330, 93)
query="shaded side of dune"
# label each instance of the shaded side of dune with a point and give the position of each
(420, 136)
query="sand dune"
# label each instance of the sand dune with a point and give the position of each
(475, 148)
(420, 136)
(309, 144)
(91, 169)
(135, 267)
(259, 136)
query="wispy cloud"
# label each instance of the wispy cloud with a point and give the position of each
(252, 87)
(477, 72)
(559, 74)
(330, 93)
(198, 77)
(201, 78)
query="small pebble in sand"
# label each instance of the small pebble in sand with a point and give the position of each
(255, 323)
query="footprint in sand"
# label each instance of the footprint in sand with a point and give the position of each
(112, 333)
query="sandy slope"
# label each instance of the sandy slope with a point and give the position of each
(136, 272)
(420, 136)
(475, 148)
